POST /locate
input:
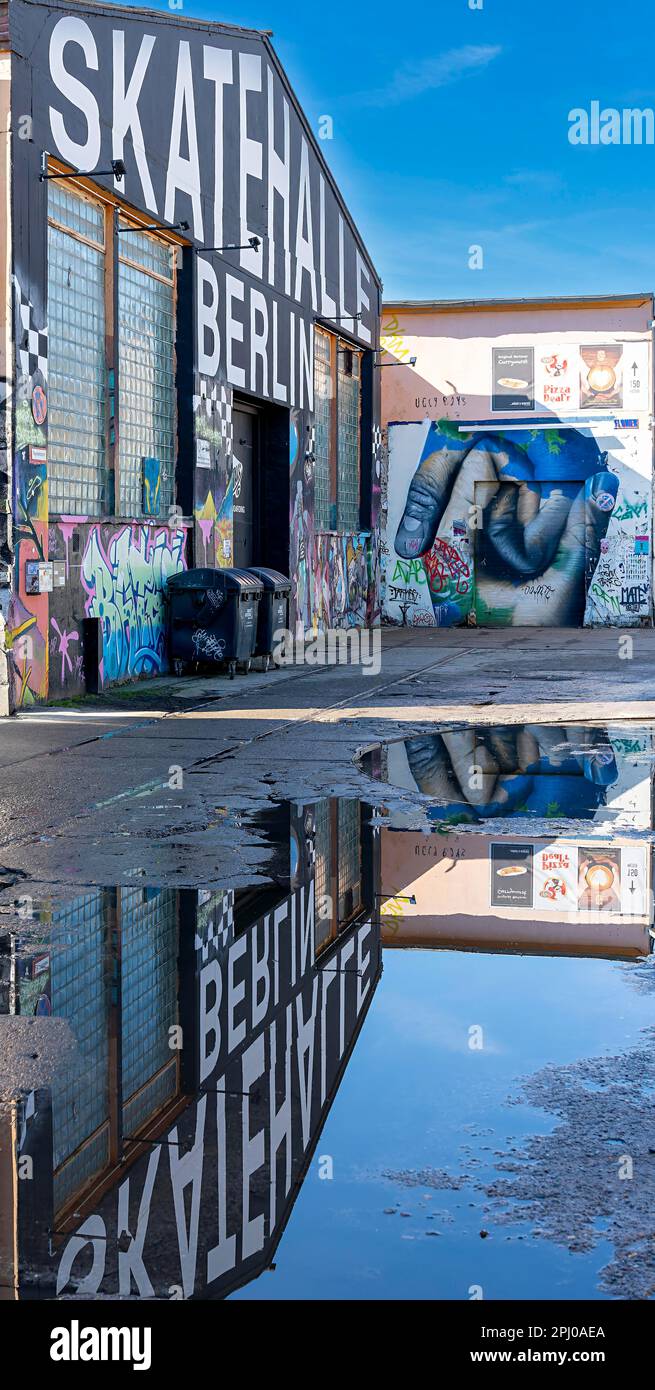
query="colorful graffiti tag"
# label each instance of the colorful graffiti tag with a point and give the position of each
(124, 576)
(27, 627)
(513, 528)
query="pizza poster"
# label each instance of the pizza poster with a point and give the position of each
(556, 878)
(557, 378)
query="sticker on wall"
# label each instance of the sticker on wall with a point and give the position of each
(151, 486)
(557, 378)
(512, 377)
(203, 454)
(601, 376)
(39, 405)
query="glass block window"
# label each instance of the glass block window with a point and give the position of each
(146, 373)
(149, 1001)
(323, 928)
(80, 994)
(323, 417)
(348, 399)
(337, 381)
(349, 859)
(77, 467)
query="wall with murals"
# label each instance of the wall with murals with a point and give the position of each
(528, 505)
(109, 570)
(335, 577)
(245, 324)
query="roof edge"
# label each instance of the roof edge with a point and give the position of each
(575, 301)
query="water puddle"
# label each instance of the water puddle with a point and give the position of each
(415, 1062)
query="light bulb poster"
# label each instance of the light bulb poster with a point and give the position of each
(601, 376)
(563, 877)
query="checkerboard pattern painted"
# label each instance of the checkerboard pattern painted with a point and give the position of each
(32, 349)
(220, 930)
(216, 399)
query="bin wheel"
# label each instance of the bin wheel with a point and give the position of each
(247, 665)
(266, 664)
(180, 668)
(232, 666)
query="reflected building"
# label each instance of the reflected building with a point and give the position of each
(177, 1054)
(532, 838)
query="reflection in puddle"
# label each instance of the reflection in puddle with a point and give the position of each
(190, 1079)
(529, 771)
(203, 1036)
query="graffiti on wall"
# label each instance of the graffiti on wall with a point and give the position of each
(540, 527)
(27, 627)
(301, 527)
(124, 575)
(341, 580)
(27, 616)
(212, 407)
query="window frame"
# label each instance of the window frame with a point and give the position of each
(115, 213)
(125, 220)
(338, 346)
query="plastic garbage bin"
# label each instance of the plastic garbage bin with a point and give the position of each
(213, 617)
(273, 609)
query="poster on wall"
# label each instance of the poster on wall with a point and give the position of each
(557, 378)
(612, 879)
(512, 375)
(602, 880)
(636, 377)
(556, 878)
(601, 376)
(511, 874)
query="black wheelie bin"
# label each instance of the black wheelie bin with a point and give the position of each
(212, 617)
(273, 609)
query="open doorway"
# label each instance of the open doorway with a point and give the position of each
(260, 485)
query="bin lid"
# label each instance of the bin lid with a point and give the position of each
(271, 579)
(224, 580)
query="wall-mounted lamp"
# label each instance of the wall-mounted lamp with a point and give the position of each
(252, 244)
(346, 318)
(411, 363)
(155, 227)
(117, 169)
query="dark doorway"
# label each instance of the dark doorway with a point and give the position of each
(245, 442)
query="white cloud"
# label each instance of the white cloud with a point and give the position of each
(414, 79)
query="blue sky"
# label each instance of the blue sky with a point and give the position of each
(451, 130)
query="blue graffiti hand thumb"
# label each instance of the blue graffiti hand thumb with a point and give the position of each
(427, 497)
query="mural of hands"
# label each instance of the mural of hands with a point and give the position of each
(502, 771)
(538, 502)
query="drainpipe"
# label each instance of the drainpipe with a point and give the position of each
(651, 426)
(4, 672)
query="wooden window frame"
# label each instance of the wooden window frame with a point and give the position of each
(115, 211)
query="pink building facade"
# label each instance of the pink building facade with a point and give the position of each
(517, 474)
